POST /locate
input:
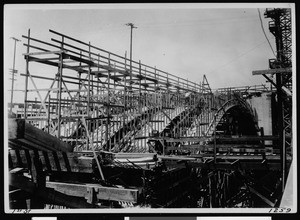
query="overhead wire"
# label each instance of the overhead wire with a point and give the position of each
(239, 56)
(262, 27)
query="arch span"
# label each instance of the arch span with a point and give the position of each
(233, 111)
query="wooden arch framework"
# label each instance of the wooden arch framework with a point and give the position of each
(92, 97)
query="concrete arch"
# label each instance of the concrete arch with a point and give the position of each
(236, 102)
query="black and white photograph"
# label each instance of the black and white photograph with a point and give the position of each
(150, 108)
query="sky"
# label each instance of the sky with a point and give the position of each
(224, 41)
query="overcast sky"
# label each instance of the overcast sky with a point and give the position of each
(188, 40)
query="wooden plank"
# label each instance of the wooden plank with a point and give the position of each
(221, 139)
(272, 71)
(22, 158)
(35, 166)
(247, 138)
(240, 157)
(28, 144)
(28, 159)
(61, 160)
(243, 165)
(181, 139)
(14, 145)
(204, 123)
(44, 53)
(178, 158)
(133, 155)
(102, 193)
(66, 160)
(56, 161)
(19, 159)
(29, 155)
(17, 170)
(117, 194)
(56, 64)
(265, 199)
(47, 161)
(42, 158)
(224, 148)
(81, 60)
(135, 160)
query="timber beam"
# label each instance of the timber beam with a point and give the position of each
(263, 198)
(223, 148)
(220, 139)
(33, 137)
(181, 139)
(272, 71)
(49, 195)
(238, 156)
(236, 165)
(88, 191)
(247, 138)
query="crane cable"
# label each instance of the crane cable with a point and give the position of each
(262, 27)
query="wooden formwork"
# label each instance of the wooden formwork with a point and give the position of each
(95, 98)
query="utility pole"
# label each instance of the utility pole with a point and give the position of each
(131, 27)
(13, 75)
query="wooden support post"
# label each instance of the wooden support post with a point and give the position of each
(39, 179)
(210, 192)
(93, 150)
(66, 160)
(56, 160)
(28, 159)
(89, 92)
(19, 159)
(59, 94)
(108, 141)
(47, 161)
(140, 88)
(125, 98)
(48, 119)
(26, 76)
(115, 128)
(215, 139)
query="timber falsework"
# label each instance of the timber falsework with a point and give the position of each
(109, 132)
